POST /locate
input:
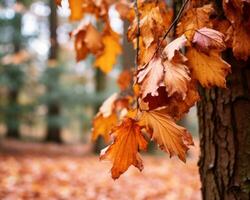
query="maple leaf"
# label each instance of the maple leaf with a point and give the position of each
(171, 137)
(112, 49)
(193, 19)
(175, 106)
(237, 12)
(151, 77)
(124, 79)
(176, 76)
(87, 40)
(207, 38)
(107, 106)
(123, 152)
(102, 126)
(209, 70)
(76, 9)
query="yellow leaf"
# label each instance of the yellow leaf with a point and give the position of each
(112, 49)
(209, 70)
(76, 9)
(170, 137)
(123, 152)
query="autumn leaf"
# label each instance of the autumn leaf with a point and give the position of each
(76, 9)
(176, 78)
(176, 73)
(112, 49)
(87, 40)
(193, 19)
(237, 12)
(123, 152)
(151, 77)
(102, 126)
(209, 70)
(174, 106)
(58, 2)
(124, 79)
(171, 137)
(206, 39)
(107, 106)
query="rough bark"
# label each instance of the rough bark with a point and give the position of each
(224, 126)
(53, 130)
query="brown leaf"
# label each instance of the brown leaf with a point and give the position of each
(193, 19)
(206, 39)
(171, 138)
(176, 78)
(124, 79)
(123, 152)
(209, 70)
(151, 77)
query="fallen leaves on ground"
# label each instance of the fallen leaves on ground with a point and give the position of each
(39, 177)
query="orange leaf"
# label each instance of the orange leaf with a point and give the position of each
(102, 126)
(209, 70)
(124, 79)
(108, 105)
(193, 19)
(112, 49)
(123, 152)
(87, 40)
(76, 9)
(58, 2)
(171, 138)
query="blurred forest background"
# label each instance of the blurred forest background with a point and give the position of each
(45, 96)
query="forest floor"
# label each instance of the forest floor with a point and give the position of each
(53, 172)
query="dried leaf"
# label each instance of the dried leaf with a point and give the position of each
(206, 39)
(112, 49)
(123, 152)
(193, 19)
(151, 77)
(209, 70)
(171, 138)
(124, 79)
(102, 126)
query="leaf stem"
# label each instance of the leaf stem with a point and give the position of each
(137, 34)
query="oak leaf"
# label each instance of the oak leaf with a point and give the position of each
(209, 70)
(170, 137)
(123, 152)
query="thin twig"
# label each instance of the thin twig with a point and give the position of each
(137, 34)
(172, 25)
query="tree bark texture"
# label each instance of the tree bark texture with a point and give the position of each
(224, 126)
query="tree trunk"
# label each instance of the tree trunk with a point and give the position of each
(224, 123)
(12, 118)
(53, 130)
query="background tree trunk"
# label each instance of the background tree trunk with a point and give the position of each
(12, 118)
(53, 129)
(224, 123)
